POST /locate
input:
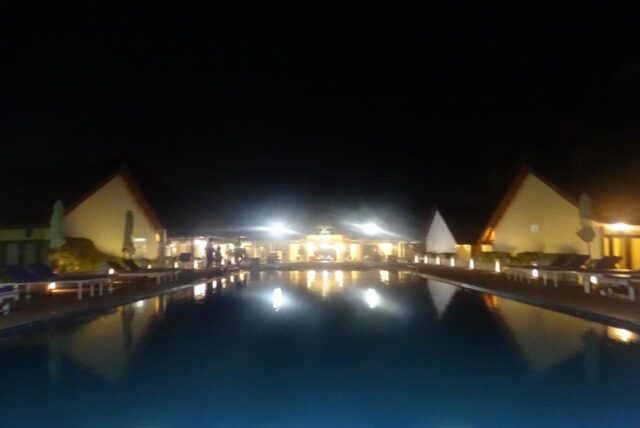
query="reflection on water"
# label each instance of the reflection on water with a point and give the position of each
(105, 345)
(277, 298)
(441, 294)
(345, 342)
(372, 298)
(622, 335)
(384, 276)
(545, 338)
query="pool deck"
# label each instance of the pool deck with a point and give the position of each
(29, 314)
(567, 298)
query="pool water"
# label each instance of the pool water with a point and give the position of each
(322, 348)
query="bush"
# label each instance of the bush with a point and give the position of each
(492, 256)
(77, 255)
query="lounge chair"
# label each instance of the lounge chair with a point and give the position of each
(8, 291)
(564, 263)
(133, 267)
(41, 276)
(122, 272)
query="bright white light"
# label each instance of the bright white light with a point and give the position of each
(535, 273)
(175, 265)
(453, 262)
(371, 297)
(139, 240)
(51, 286)
(112, 271)
(622, 335)
(195, 264)
(498, 269)
(199, 291)
(472, 264)
(371, 229)
(437, 260)
(277, 298)
(326, 246)
(340, 278)
(620, 227)
(384, 276)
(593, 279)
(139, 304)
(200, 242)
(311, 277)
(278, 229)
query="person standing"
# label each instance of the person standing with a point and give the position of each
(210, 250)
(218, 256)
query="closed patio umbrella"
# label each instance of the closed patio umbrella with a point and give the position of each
(57, 236)
(586, 233)
(127, 246)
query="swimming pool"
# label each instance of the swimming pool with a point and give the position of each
(322, 348)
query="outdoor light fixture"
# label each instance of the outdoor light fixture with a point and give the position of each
(535, 273)
(497, 268)
(472, 264)
(112, 271)
(620, 227)
(593, 280)
(51, 286)
(371, 298)
(139, 304)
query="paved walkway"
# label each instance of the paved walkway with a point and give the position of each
(568, 298)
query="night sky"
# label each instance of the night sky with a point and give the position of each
(236, 117)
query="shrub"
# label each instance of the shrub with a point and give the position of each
(492, 256)
(76, 255)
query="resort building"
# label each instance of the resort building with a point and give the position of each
(536, 216)
(440, 238)
(96, 204)
(323, 244)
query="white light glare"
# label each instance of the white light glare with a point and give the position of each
(372, 298)
(371, 229)
(277, 298)
(278, 229)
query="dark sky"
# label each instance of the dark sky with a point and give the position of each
(233, 117)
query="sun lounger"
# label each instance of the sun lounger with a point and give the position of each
(121, 272)
(133, 267)
(8, 291)
(563, 264)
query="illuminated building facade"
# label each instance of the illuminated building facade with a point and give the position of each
(325, 244)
